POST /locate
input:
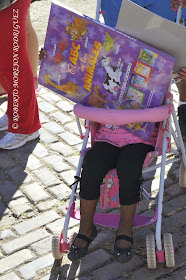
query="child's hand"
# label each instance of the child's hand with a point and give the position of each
(97, 99)
(42, 54)
(176, 3)
(182, 73)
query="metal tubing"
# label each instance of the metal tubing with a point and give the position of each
(182, 147)
(98, 9)
(79, 126)
(151, 168)
(67, 218)
(161, 189)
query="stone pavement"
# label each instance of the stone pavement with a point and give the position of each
(34, 191)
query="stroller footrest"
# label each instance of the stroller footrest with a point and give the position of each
(112, 220)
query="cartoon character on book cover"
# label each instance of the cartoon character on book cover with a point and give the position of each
(95, 65)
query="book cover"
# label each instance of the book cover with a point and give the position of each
(85, 58)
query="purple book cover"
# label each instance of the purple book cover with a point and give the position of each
(85, 58)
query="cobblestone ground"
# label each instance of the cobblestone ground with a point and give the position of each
(34, 190)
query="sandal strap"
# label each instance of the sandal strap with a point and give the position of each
(124, 237)
(83, 237)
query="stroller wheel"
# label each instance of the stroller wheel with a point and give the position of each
(56, 240)
(169, 250)
(182, 175)
(151, 252)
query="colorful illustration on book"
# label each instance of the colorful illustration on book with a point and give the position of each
(69, 88)
(87, 62)
(142, 69)
(108, 45)
(137, 95)
(139, 82)
(59, 57)
(76, 29)
(134, 105)
(147, 56)
(113, 75)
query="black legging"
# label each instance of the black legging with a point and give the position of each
(103, 157)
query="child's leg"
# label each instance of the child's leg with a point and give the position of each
(98, 161)
(129, 169)
(182, 108)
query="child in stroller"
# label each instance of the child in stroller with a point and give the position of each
(113, 147)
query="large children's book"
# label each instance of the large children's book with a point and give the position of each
(86, 60)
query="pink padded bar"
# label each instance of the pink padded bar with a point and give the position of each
(120, 117)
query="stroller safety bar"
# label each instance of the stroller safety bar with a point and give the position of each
(120, 117)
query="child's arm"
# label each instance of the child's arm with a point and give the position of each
(175, 3)
(42, 54)
(182, 73)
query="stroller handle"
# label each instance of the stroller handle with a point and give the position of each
(120, 117)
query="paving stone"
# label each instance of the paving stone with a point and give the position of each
(35, 192)
(46, 177)
(6, 161)
(172, 222)
(15, 260)
(56, 226)
(182, 250)
(29, 270)
(46, 205)
(145, 273)
(83, 278)
(47, 137)
(2, 175)
(42, 247)
(20, 206)
(2, 208)
(70, 138)
(74, 128)
(68, 176)
(33, 163)
(61, 117)
(53, 127)
(19, 175)
(62, 149)
(61, 192)
(36, 222)
(46, 107)
(115, 269)
(43, 118)
(90, 262)
(65, 106)
(5, 234)
(153, 185)
(101, 239)
(74, 160)
(174, 205)
(174, 190)
(23, 241)
(9, 191)
(6, 222)
(40, 151)
(51, 96)
(181, 274)
(178, 239)
(1, 256)
(57, 163)
(10, 276)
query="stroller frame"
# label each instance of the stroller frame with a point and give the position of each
(60, 241)
(155, 249)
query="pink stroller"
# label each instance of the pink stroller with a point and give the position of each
(156, 249)
(164, 115)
